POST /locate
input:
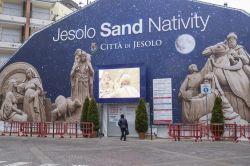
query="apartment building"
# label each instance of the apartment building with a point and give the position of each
(20, 18)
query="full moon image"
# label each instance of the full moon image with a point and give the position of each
(185, 44)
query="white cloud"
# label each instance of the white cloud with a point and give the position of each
(238, 4)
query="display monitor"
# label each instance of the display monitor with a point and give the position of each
(120, 83)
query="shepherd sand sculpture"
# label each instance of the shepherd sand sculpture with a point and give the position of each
(227, 70)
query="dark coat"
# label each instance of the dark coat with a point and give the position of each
(123, 124)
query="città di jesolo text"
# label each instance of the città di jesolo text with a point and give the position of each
(159, 24)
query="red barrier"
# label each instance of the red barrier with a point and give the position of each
(15, 127)
(245, 132)
(35, 128)
(24, 129)
(6, 129)
(61, 129)
(72, 129)
(205, 130)
(47, 129)
(218, 131)
(178, 131)
(43, 129)
(248, 132)
(224, 131)
(87, 129)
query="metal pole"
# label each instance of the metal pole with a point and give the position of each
(179, 132)
(10, 127)
(4, 128)
(151, 131)
(31, 126)
(235, 132)
(207, 120)
(151, 121)
(53, 129)
(76, 129)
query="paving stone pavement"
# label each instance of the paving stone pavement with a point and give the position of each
(28, 163)
(32, 151)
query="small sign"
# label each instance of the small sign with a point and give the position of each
(205, 88)
(162, 101)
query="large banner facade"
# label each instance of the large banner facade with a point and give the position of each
(132, 43)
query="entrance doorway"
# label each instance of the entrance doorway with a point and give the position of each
(114, 111)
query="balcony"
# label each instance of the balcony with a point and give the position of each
(34, 22)
(8, 19)
(11, 46)
(15, 20)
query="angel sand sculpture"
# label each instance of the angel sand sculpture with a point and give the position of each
(227, 71)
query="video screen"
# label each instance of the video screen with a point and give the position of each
(119, 83)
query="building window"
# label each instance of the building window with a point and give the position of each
(12, 35)
(40, 13)
(12, 9)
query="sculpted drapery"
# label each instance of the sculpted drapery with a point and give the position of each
(193, 101)
(33, 104)
(227, 70)
(9, 110)
(81, 76)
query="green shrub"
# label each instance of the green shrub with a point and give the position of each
(141, 118)
(84, 112)
(217, 117)
(93, 115)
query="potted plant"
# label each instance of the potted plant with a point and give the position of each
(141, 119)
(217, 120)
(93, 115)
(84, 112)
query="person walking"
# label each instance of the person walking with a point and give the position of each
(123, 124)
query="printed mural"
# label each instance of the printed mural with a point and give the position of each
(52, 73)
